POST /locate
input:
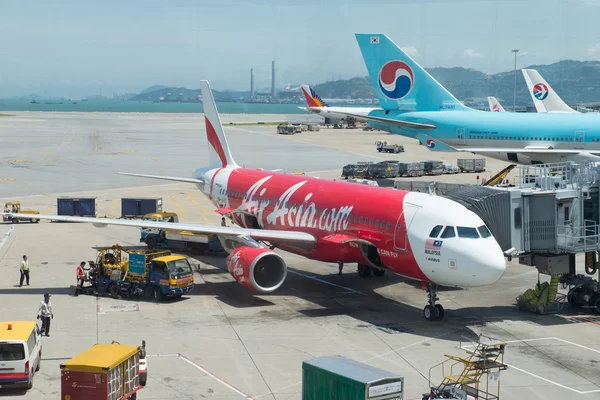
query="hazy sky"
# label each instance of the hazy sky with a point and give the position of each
(79, 47)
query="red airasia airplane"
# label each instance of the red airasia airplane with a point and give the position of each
(420, 236)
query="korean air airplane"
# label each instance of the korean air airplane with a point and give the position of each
(414, 104)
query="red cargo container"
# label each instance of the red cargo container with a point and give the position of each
(102, 372)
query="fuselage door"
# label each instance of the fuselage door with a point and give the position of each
(579, 138)
(461, 138)
(402, 225)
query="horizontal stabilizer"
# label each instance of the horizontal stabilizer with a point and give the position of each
(434, 144)
(165, 178)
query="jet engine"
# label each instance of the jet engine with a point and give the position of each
(258, 269)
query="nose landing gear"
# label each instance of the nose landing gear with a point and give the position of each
(432, 311)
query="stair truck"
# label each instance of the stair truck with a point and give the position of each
(126, 272)
(105, 371)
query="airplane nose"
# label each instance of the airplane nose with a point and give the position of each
(491, 265)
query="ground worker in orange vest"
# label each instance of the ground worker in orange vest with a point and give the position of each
(80, 278)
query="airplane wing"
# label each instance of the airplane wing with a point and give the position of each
(165, 178)
(397, 122)
(437, 145)
(258, 234)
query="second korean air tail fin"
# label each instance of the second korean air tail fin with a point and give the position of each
(544, 98)
(400, 83)
(495, 105)
(312, 98)
(218, 149)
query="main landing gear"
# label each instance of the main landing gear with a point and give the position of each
(432, 311)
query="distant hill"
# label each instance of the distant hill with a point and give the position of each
(153, 88)
(164, 93)
(354, 88)
(575, 81)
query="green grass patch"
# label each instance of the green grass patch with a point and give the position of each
(7, 115)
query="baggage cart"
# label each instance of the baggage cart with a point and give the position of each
(104, 372)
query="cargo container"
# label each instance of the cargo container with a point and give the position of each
(339, 378)
(411, 169)
(433, 167)
(471, 164)
(80, 207)
(383, 169)
(138, 207)
(349, 170)
(103, 372)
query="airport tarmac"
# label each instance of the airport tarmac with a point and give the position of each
(225, 342)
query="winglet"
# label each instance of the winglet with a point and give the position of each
(218, 149)
(434, 144)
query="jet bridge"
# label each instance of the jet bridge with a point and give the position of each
(549, 216)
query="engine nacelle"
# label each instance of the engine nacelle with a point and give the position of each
(258, 269)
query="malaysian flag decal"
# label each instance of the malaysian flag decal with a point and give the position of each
(432, 244)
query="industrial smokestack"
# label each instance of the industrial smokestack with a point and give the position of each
(272, 78)
(251, 82)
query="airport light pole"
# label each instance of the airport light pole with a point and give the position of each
(515, 85)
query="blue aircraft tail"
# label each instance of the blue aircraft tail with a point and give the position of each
(401, 83)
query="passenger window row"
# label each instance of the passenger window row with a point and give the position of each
(547, 139)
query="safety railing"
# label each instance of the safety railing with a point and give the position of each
(558, 175)
(582, 238)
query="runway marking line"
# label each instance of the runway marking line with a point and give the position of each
(7, 235)
(207, 372)
(314, 278)
(541, 377)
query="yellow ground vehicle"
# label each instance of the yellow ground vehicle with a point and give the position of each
(128, 272)
(176, 240)
(15, 207)
(20, 353)
(162, 217)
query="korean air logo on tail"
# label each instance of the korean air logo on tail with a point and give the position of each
(396, 79)
(430, 143)
(540, 91)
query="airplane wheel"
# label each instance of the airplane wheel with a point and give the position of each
(440, 311)
(379, 272)
(364, 271)
(429, 313)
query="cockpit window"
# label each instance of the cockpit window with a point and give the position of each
(484, 231)
(467, 232)
(448, 232)
(435, 231)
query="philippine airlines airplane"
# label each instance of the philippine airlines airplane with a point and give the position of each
(544, 98)
(414, 104)
(318, 106)
(495, 105)
(424, 237)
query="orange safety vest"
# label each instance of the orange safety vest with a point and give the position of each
(80, 274)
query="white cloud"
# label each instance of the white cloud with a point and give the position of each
(471, 53)
(411, 51)
(594, 51)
